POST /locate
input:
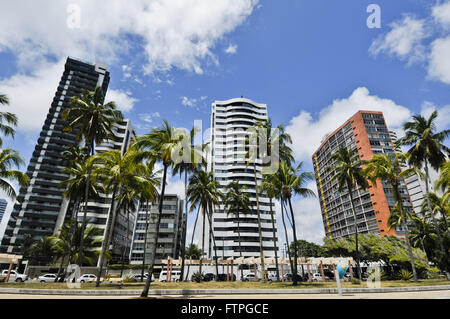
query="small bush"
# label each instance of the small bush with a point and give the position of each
(433, 273)
(128, 279)
(355, 281)
(405, 275)
(198, 277)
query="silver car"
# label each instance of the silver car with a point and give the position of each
(47, 278)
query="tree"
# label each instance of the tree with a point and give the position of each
(191, 158)
(203, 192)
(7, 120)
(348, 174)
(291, 181)
(269, 188)
(261, 147)
(42, 251)
(193, 252)
(443, 181)
(158, 146)
(93, 121)
(118, 172)
(9, 159)
(237, 201)
(426, 149)
(384, 167)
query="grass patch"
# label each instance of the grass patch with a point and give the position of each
(225, 285)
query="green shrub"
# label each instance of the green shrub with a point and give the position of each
(433, 273)
(128, 279)
(355, 281)
(198, 277)
(405, 275)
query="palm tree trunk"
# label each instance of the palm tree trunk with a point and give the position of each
(286, 236)
(192, 239)
(183, 238)
(203, 241)
(60, 268)
(105, 243)
(147, 222)
(438, 231)
(126, 240)
(158, 221)
(294, 280)
(86, 199)
(274, 240)
(214, 240)
(263, 268)
(239, 239)
(358, 267)
(407, 241)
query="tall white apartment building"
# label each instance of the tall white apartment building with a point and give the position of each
(230, 121)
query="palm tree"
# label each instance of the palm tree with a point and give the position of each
(42, 251)
(291, 181)
(348, 174)
(438, 205)
(237, 201)
(384, 167)
(187, 164)
(268, 187)
(117, 171)
(270, 146)
(427, 150)
(7, 120)
(422, 232)
(148, 194)
(93, 121)
(203, 192)
(8, 159)
(79, 179)
(127, 200)
(158, 146)
(443, 182)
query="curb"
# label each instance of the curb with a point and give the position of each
(189, 292)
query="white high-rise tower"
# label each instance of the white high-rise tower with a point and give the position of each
(230, 121)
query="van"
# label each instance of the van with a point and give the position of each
(175, 276)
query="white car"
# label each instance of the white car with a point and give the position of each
(47, 278)
(13, 276)
(318, 277)
(249, 277)
(175, 276)
(87, 278)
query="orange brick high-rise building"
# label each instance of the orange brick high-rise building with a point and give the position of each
(366, 132)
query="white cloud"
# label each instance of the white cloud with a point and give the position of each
(403, 41)
(123, 100)
(190, 102)
(439, 64)
(232, 49)
(443, 119)
(307, 132)
(308, 219)
(31, 95)
(174, 33)
(441, 14)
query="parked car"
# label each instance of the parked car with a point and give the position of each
(289, 277)
(87, 278)
(138, 277)
(249, 277)
(223, 277)
(13, 276)
(209, 276)
(47, 278)
(318, 277)
(272, 277)
(175, 275)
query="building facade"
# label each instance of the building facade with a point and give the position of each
(171, 235)
(367, 133)
(40, 204)
(230, 121)
(3, 205)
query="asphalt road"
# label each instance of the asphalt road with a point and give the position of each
(440, 294)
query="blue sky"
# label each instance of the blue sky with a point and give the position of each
(313, 62)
